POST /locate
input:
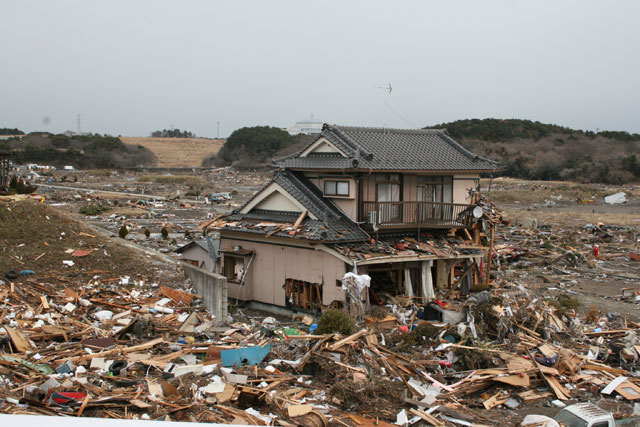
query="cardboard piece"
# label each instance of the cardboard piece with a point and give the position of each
(299, 410)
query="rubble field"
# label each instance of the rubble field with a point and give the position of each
(94, 328)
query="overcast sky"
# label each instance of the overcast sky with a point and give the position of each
(131, 67)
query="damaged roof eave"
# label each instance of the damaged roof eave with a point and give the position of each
(277, 238)
(409, 258)
(413, 171)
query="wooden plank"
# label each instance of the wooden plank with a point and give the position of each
(521, 380)
(561, 392)
(426, 417)
(84, 405)
(300, 219)
(495, 400)
(20, 343)
(348, 339)
(299, 410)
(143, 346)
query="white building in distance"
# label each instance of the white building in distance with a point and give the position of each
(309, 126)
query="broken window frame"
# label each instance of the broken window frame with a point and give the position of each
(230, 275)
(300, 294)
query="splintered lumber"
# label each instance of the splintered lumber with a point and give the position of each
(143, 346)
(348, 339)
(561, 392)
(20, 343)
(495, 400)
(597, 367)
(180, 297)
(534, 395)
(426, 417)
(300, 219)
(84, 405)
(521, 380)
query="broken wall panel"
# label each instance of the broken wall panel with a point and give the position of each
(274, 263)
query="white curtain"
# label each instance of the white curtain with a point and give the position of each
(408, 288)
(427, 282)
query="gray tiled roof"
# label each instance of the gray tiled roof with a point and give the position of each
(390, 149)
(331, 224)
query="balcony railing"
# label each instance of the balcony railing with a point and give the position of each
(417, 214)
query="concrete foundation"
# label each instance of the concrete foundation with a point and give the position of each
(212, 287)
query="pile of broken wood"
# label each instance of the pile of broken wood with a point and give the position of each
(124, 350)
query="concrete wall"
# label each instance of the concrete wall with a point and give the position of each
(213, 288)
(274, 263)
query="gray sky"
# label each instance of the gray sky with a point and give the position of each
(131, 67)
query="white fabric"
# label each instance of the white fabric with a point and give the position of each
(361, 281)
(539, 420)
(427, 282)
(408, 288)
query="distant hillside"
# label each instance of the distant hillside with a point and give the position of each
(178, 152)
(80, 151)
(535, 150)
(255, 146)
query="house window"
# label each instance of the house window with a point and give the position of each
(435, 188)
(388, 187)
(233, 268)
(336, 188)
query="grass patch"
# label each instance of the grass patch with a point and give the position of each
(100, 172)
(191, 181)
(540, 193)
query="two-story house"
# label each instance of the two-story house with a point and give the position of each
(392, 203)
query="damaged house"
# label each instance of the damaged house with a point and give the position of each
(399, 205)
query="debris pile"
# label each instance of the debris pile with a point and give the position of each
(126, 349)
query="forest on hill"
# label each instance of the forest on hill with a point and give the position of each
(539, 151)
(80, 151)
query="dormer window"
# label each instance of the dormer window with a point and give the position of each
(336, 188)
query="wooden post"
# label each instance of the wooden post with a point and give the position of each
(490, 255)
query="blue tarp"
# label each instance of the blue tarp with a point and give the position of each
(244, 356)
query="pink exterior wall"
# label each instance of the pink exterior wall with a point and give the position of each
(273, 264)
(348, 204)
(461, 186)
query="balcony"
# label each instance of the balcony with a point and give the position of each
(393, 215)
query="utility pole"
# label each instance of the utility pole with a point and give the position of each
(218, 135)
(78, 123)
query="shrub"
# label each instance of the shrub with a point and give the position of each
(147, 233)
(563, 302)
(335, 321)
(123, 232)
(164, 232)
(18, 186)
(93, 209)
(421, 334)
